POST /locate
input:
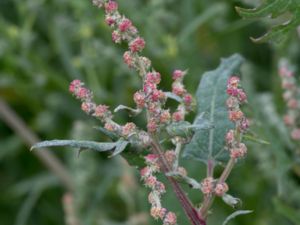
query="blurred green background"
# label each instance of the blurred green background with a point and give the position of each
(45, 44)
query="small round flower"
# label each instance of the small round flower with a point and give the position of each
(116, 37)
(150, 181)
(232, 102)
(188, 99)
(178, 88)
(128, 129)
(170, 156)
(83, 93)
(139, 99)
(207, 185)
(221, 189)
(178, 74)
(110, 21)
(152, 198)
(242, 95)
(233, 81)
(137, 45)
(165, 116)
(239, 151)
(74, 85)
(101, 111)
(160, 187)
(87, 107)
(145, 172)
(170, 219)
(128, 59)
(178, 116)
(109, 126)
(292, 103)
(295, 134)
(151, 158)
(158, 212)
(111, 7)
(125, 24)
(230, 137)
(235, 115)
(157, 95)
(152, 126)
(153, 77)
(244, 124)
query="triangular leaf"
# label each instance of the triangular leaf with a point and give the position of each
(211, 97)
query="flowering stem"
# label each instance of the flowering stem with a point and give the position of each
(189, 210)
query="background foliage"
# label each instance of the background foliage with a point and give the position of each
(44, 44)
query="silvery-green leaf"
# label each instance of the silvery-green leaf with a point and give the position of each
(230, 200)
(211, 100)
(107, 133)
(173, 96)
(235, 214)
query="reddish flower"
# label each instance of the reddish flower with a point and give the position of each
(137, 45)
(125, 24)
(111, 7)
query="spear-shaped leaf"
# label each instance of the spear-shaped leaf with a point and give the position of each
(211, 97)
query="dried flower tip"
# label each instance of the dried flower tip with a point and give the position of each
(137, 45)
(295, 134)
(235, 115)
(207, 185)
(170, 219)
(125, 24)
(242, 96)
(232, 102)
(152, 198)
(178, 74)
(111, 7)
(128, 129)
(221, 189)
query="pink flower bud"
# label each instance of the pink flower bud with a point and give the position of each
(145, 172)
(128, 59)
(295, 134)
(286, 84)
(230, 137)
(165, 116)
(233, 91)
(110, 21)
(178, 74)
(182, 171)
(150, 181)
(242, 95)
(188, 99)
(139, 99)
(109, 126)
(158, 212)
(125, 24)
(233, 81)
(111, 7)
(116, 37)
(207, 185)
(74, 85)
(170, 156)
(235, 115)
(153, 77)
(137, 45)
(83, 93)
(151, 158)
(128, 129)
(178, 88)
(101, 111)
(292, 103)
(152, 126)
(87, 107)
(244, 124)
(238, 152)
(152, 198)
(221, 189)
(170, 219)
(178, 116)
(232, 102)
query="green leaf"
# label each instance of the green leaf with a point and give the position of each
(251, 137)
(287, 211)
(117, 147)
(211, 97)
(235, 214)
(275, 9)
(107, 133)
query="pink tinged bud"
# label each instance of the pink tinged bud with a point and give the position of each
(74, 85)
(139, 99)
(188, 99)
(153, 77)
(101, 111)
(170, 156)
(242, 95)
(170, 219)
(232, 102)
(295, 134)
(149, 87)
(244, 124)
(145, 172)
(145, 61)
(158, 212)
(157, 95)
(207, 185)
(233, 91)
(151, 158)
(178, 74)
(239, 151)
(111, 7)
(88, 107)
(221, 189)
(289, 120)
(128, 129)
(178, 116)
(165, 116)
(230, 137)
(128, 59)
(110, 21)
(137, 45)
(150, 181)
(152, 126)
(233, 81)
(151, 198)
(116, 37)
(124, 25)
(109, 126)
(292, 104)
(160, 187)
(178, 88)
(235, 115)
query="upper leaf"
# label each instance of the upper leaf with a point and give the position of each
(116, 147)
(275, 8)
(211, 100)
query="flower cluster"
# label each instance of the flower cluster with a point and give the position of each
(233, 137)
(291, 97)
(157, 189)
(210, 186)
